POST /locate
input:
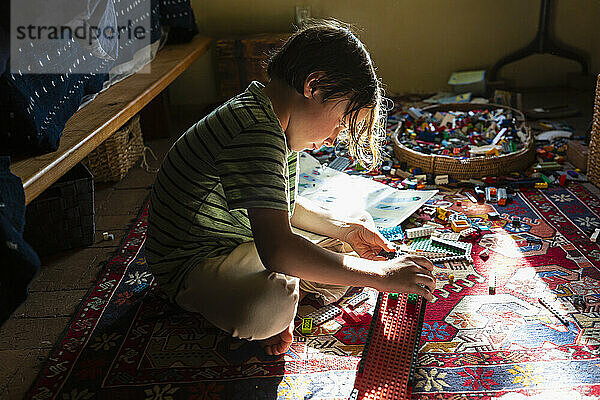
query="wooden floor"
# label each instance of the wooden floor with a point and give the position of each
(27, 338)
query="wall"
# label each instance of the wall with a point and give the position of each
(415, 44)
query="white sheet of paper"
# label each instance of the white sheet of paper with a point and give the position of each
(348, 194)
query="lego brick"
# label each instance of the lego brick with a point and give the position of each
(419, 232)
(392, 234)
(340, 163)
(324, 314)
(356, 300)
(458, 247)
(386, 370)
(459, 225)
(306, 327)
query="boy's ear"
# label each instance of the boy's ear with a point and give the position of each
(311, 83)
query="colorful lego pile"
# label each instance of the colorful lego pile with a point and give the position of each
(461, 134)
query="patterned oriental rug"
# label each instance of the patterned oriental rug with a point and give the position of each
(125, 342)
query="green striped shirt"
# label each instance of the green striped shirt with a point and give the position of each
(234, 159)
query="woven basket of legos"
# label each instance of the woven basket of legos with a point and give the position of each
(474, 166)
(111, 161)
(593, 167)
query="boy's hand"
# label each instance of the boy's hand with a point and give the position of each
(408, 274)
(365, 239)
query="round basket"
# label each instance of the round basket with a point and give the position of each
(475, 167)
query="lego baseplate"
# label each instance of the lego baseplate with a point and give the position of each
(386, 370)
(392, 234)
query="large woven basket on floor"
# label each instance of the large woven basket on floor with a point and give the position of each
(476, 167)
(116, 155)
(593, 167)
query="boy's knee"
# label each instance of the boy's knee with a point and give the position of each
(271, 311)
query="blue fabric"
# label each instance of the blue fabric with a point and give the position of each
(19, 262)
(35, 108)
(178, 17)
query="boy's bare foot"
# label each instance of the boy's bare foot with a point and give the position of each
(279, 343)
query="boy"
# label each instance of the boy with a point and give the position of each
(220, 241)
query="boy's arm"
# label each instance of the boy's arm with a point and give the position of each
(282, 251)
(360, 232)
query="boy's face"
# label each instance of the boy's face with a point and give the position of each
(314, 123)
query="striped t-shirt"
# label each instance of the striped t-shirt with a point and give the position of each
(234, 159)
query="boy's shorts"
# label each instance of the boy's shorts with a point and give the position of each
(238, 294)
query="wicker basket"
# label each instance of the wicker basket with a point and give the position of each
(62, 217)
(241, 60)
(476, 167)
(116, 155)
(593, 166)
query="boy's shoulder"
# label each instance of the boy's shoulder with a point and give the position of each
(252, 107)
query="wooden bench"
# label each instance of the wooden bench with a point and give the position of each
(95, 122)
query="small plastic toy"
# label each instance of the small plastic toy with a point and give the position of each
(451, 279)
(501, 196)
(492, 284)
(493, 216)
(441, 180)
(419, 232)
(392, 234)
(471, 197)
(459, 225)
(386, 370)
(484, 254)
(442, 213)
(306, 327)
(594, 236)
(356, 300)
(324, 314)
(579, 302)
(516, 222)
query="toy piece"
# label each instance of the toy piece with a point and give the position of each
(441, 180)
(516, 222)
(324, 314)
(553, 311)
(471, 197)
(306, 327)
(442, 213)
(340, 163)
(392, 234)
(393, 296)
(534, 240)
(490, 194)
(356, 300)
(352, 317)
(386, 370)
(501, 196)
(457, 247)
(492, 284)
(493, 216)
(594, 236)
(484, 254)
(449, 235)
(562, 180)
(459, 225)
(479, 193)
(451, 279)
(419, 232)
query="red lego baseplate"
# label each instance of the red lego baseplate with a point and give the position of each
(387, 366)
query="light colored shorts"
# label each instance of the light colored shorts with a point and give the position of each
(239, 295)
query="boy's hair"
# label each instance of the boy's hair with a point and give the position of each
(331, 47)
